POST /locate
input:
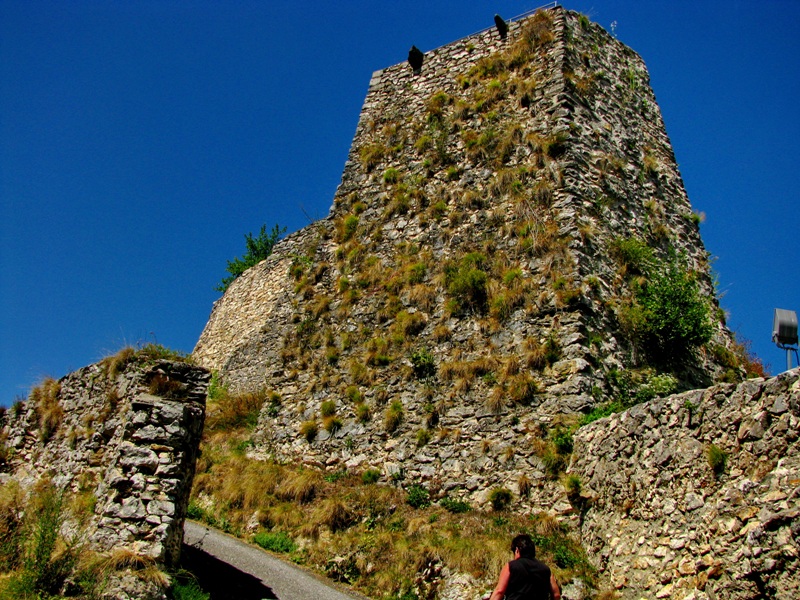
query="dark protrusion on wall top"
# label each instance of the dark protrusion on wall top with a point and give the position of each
(502, 26)
(415, 58)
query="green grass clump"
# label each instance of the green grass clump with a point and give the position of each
(235, 411)
(309, 430)
(391, 175)
(717, 459)
(277, 541)
(393, 416)
(467, 288)
(455, 506)
(370, 476)
(187, 590)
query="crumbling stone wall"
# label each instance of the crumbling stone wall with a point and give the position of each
(129, 439)
(661, 523)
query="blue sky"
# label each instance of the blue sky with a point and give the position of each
(140, 141)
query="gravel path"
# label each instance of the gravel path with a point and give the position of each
(229, 568)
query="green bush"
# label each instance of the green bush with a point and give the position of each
(43, 568)
(423, 363)
(562, 439)
(604, 410)
(676, 317)
(658, 386)
(500, 498)
(258, 249)
(277, 541)
(418, 497)
(466, 284)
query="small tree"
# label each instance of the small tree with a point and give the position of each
(676, 316)
(258, 248)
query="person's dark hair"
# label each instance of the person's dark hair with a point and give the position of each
(525, 545)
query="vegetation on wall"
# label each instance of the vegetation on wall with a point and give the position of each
(44, 552)
(257, 249)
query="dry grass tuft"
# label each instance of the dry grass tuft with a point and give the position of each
(299, 487)
(334, 514)
(44, 398)
(114, 365)
(235, 411)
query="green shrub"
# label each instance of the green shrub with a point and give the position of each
(562, 439)
(455, 506)
(500, 498)
(467, 287)
(659, 386)
(423, 364)
(604, 410)
(328, 408)
(676, 317)
(43, 568)
(277, 541)
(258, 249)
(418, 497)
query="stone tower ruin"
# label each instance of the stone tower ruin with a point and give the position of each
(481, 272)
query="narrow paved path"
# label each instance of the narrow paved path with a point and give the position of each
(229, 568)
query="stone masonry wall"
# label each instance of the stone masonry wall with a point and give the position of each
(661, 523)
(129, 439)
(529, 163)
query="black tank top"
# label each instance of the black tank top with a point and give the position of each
(529, 580)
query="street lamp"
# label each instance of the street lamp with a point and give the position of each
(784, 333)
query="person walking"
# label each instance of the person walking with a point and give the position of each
(525, 578)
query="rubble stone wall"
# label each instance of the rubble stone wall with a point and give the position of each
(128, 439)
(662, 522)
